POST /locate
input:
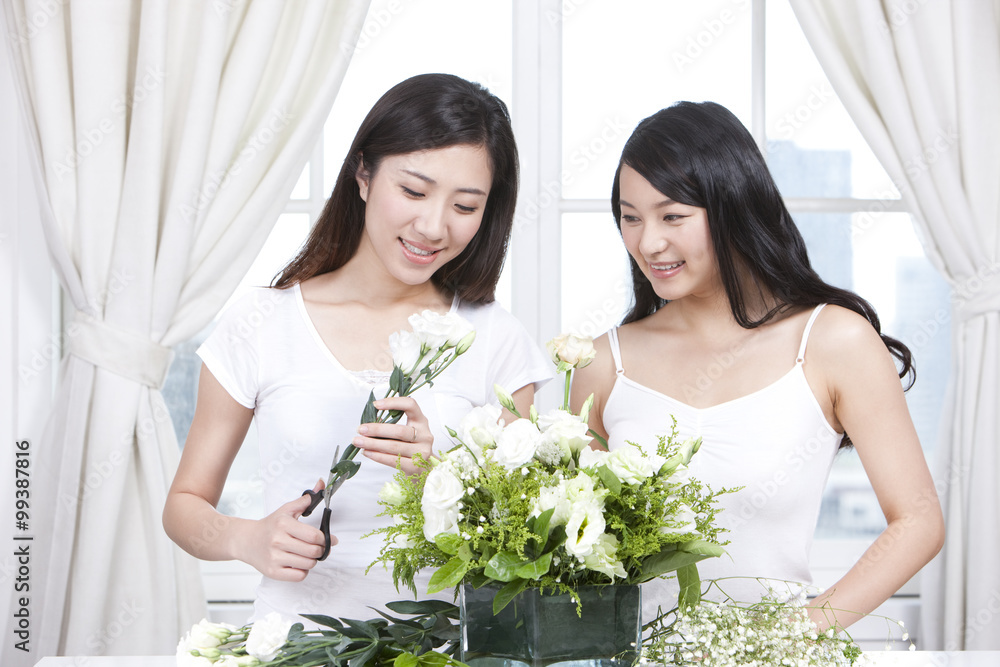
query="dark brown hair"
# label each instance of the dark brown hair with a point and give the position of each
(422, 113)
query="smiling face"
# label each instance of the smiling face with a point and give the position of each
(422, 209)
(669, 241)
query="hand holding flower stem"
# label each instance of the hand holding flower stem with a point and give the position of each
(419, 357)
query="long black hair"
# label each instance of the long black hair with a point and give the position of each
(424, 112)
(700, 154)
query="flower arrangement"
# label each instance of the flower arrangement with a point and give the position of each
(418, 358)
(530, 504)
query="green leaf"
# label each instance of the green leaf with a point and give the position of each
(405, 660)
(465, 552)
(703, 547)
(610, 480)
(448, 575)
(449, 542)
(369, 414)
(540, 526)
(667, 561)
(394, 378)
(362, 659)
(690, 586)
(557, 537)
(536, 568)
(420, 607)
(508, 593)
(346, 468)
(325, 621)
(503, 566)
(364, 627)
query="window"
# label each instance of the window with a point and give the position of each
(578, 76)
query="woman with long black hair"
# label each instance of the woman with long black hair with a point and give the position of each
(733, 334)
(419, 219)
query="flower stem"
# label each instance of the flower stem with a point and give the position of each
(566, 390)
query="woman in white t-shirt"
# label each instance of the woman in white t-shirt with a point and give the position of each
(419, 218)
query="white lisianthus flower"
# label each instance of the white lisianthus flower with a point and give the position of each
(442, 492)
(583, 528)
(405, 348)
(683, 522)
(632, 466)
(603, 558)
(480, 428)
(593, 458)
(553, 498)
(572, 350)
(517, 444)
(391, 494)
(566, 496)
(268, 636)
(438, 331)
(566, 430)
(437, 521)
(209, 635)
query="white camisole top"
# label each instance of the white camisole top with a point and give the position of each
(775, 443)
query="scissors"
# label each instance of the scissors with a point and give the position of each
(316, 497)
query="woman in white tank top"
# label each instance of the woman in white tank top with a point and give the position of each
(733, 334)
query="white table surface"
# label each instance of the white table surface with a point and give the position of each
(886, 658)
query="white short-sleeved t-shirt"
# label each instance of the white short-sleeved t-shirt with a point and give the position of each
(267, 354)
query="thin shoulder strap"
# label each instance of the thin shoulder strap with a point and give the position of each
(616, 352)
(805, 334)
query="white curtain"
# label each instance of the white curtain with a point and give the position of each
(168, 136)
(922, 81)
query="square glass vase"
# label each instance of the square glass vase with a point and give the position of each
(540, 630)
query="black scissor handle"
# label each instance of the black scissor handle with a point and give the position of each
(317, 498)
(324, 524)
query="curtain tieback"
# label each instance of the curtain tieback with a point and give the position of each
(978, 295)
(122, 352)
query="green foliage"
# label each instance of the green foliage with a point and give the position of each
(429, 638)
(502, 535)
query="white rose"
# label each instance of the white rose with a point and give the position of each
(632, 466)
(593, 458)
(480, 428)
(267, 636)
(575, 351)
(440, 331)
(517, 443)
(439, 502)
(405, 347)
(553, 498)
(566, 430)
(603, 557)
(391, 494)
(583, 528)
